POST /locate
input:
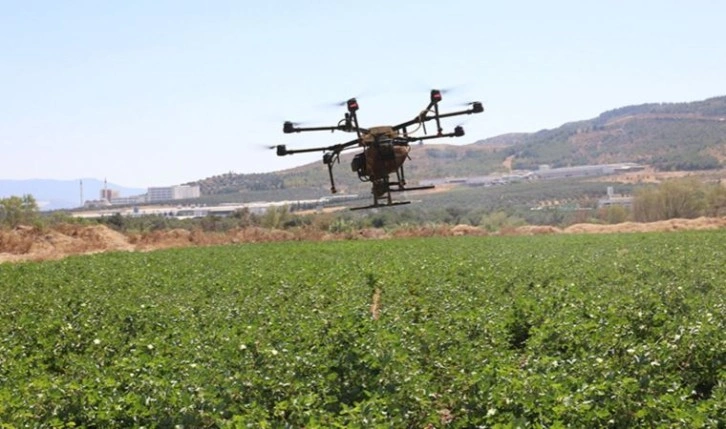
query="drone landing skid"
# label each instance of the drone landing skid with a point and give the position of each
(374, 206)
(393, 203)
(417, 188)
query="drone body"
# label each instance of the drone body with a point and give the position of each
(385, 148)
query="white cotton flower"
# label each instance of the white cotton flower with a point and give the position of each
(96, 341)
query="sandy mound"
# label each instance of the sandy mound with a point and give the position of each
(29, 243)
(467, 230)
(660, 226)
(436, 231)
(162, 239)
(26, 243)
(373, 233)
(535, 230)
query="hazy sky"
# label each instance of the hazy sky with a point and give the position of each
(154, 93)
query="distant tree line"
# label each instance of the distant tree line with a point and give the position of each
(493, 209)
(685, 197)
(685, 162)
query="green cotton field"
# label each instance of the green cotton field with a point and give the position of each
(621, 330)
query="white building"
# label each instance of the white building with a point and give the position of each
(167, 193)
(614, 200)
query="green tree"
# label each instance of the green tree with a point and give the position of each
(500, 220)
(16, 210)
(647, 205)
(716, 200)
(675, 198)
(683, 198)
(614, 214)
(275, 217)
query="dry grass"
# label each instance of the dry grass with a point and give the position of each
(32, 244)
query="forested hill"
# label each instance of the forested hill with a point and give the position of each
(667, 136)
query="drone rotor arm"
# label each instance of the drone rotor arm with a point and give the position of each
(417, 120)
(289, 128)
(282, 150)
(476, 107)
(343, 146)
(458, 132)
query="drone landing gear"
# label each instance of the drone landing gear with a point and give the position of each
(401, 184)
(399, 187)
(417, 188)
(374, 206)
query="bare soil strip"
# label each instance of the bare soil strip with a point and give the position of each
(376, 304)
(26, 243)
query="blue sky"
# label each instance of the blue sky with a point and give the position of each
(153, 93)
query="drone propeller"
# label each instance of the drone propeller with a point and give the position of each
(343, 103)
(337, 104)
(419, 87)
(467, 103)
(450, 90)
(297, 123)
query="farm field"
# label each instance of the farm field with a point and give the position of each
(616, 330)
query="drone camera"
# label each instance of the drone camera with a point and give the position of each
(435, 95)
(281, 150)
(288, 128)
(476, 107)
(352, 105)
(458, 131)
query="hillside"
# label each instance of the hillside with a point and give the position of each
(665, 136)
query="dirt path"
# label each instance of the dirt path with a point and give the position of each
(507, 163)
(376, 304)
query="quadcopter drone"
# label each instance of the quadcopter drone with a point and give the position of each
(385, 148)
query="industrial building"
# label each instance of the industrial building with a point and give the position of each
(169, 193)
(545, 172)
